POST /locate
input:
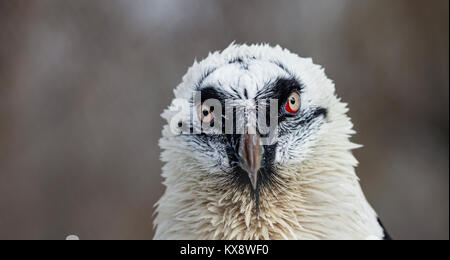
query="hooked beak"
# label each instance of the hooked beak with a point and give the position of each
(251, 153)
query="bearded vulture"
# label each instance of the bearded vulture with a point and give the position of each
(229, 175)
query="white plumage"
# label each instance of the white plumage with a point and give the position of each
(311, 191)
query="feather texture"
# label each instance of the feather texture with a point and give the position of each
(315, 193)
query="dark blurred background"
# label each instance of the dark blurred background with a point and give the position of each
(82, 85)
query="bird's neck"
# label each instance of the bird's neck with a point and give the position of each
(319, 198)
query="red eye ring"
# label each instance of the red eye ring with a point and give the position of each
(293, 103)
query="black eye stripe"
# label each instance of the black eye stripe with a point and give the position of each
(213, 93)
(281, 89)
(303, 120)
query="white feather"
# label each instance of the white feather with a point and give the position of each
(319, 196)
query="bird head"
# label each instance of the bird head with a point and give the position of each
(257, 145)
(244, 113)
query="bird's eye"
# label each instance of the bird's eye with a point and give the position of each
(293, 103)
(206, 113)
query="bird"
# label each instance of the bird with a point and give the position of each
(295, 181)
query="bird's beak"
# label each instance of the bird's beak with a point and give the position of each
(250, 153)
